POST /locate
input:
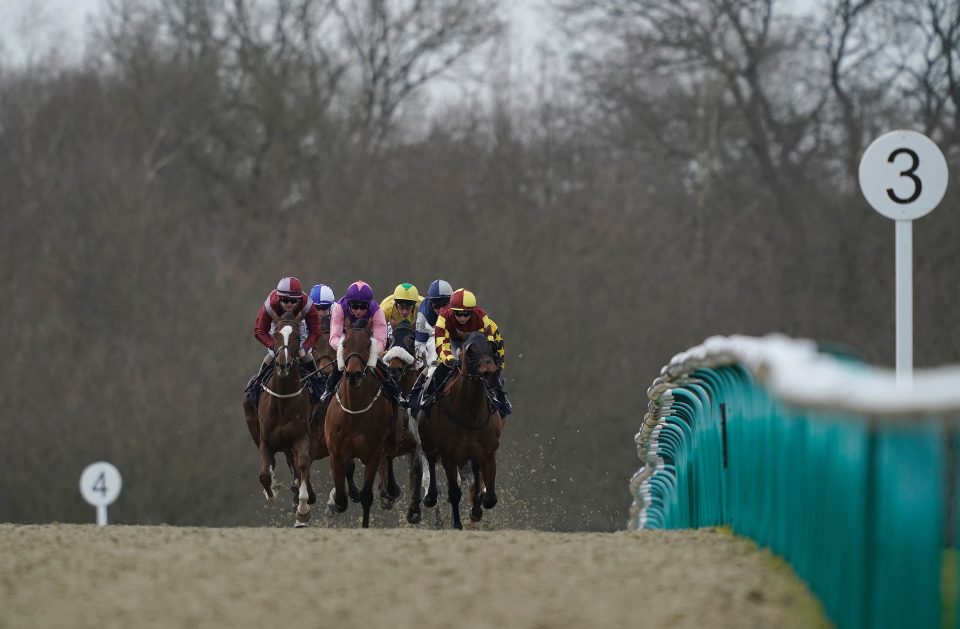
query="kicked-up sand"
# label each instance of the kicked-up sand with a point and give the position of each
(159, 576)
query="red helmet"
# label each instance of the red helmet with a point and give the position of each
(289, 287)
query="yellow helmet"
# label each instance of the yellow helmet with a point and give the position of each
(406, 292)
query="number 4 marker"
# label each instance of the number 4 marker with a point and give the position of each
(100, 485)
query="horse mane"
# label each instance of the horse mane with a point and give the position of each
(288, 316)
(325, 324)
(362, 322)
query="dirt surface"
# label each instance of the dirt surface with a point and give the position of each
(126, 576)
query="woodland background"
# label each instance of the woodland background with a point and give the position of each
(665, 170)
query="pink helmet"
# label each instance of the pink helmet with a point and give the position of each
(289, 287)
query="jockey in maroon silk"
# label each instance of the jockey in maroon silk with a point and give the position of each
(287, 297)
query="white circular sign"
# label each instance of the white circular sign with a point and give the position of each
(903, 175)
(100, 483)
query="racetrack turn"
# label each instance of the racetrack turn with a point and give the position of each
(159, 576)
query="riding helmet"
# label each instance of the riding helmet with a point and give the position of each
(462, 298)
(290, 287)
(359, 291)
(322, 294)
(439, 290)
(406, 292)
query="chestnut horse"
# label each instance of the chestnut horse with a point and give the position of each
(284, 413)
(462, 425)
(358, 419)
(400, 359)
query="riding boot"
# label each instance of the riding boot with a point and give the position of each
(314, 387)
(389, 386)
(503, 404)
(332, 381)
(254, 386)
(413, 400)
(440, 375)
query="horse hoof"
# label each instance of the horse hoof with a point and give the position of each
(394, 492)
(312, 499)
(386, 503)
(413, 516)
(489, 500)
(299, 525)
(429, 501)
(476, 514)
(354, 495)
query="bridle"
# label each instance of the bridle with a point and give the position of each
(363, 374)
(284, 369)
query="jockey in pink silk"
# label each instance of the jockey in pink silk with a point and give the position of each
(356, 304)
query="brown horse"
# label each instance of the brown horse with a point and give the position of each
(284, 413)
(463, 426)
(358, 419)
(400, 359)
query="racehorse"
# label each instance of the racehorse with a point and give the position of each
(284, 413)
(400, 359)
(463, 425)
(358, 418)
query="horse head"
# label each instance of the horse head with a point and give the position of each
(323, 355)
(477, 356)
(400, 358)
(286, 341)
(357, 346)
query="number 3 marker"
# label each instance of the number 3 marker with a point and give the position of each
(903, 175)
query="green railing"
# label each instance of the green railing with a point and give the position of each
(821, 460)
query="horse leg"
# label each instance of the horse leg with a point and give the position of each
(476, 511)
(430, 500)
(453, 489)
(338, 495)
(295, 483)
(301, 457)
(267, 462)
(349, 467)
(383, 473)
(489, 473)
(366, 494)
(253, 422)
(416, 479)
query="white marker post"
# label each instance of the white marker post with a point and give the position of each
(100, 485)
(903, 175)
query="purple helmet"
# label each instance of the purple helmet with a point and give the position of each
(359, 291)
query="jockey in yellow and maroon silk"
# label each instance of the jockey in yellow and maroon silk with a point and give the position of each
(454, 321)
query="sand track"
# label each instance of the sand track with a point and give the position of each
(125, 576)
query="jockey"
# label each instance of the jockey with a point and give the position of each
(358, 303)
(323, 298)
(287, 297)
(438, 295)
(400, 308)
(454, 321)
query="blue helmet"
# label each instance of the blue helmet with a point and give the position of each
(322, 294)
(439, 290)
